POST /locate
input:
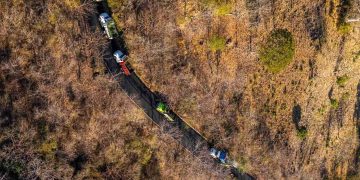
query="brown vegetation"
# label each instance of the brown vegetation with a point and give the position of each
(292, 124)
(61, 117)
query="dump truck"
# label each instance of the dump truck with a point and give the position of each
(162, 108)
(120, 58)
(109, 25)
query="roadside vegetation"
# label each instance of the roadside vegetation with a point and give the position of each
(250, 74)
(61, 116)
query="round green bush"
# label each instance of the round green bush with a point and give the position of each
(278, 51)
(217, 43)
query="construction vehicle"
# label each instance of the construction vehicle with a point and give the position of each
(222, 157)
(120, 58)
(109, 25)
(164, 110)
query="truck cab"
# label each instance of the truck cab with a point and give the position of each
(219, 155)
(120, 58)
(108, 24)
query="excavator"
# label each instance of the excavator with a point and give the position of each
(162, 108)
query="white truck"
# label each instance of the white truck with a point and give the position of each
(109, 25)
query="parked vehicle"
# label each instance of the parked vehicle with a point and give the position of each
(220, 155)
(109, 25)
(164, 109)
(120, 58)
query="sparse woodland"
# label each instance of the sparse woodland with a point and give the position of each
(285, 104)
(62, 117)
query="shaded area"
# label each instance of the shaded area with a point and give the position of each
(341, 53)
(357, 105)
(343, 10)
(12, 169)
(79, 162)
(151, 170)
(314, 23)
(357, 119)
(313, 69)
(6, 116)
(5, 143)
(314, 26)
(296, 116)
(2, 88)
(5, 53)
(253, 10)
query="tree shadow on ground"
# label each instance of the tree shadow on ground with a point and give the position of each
(296, 116)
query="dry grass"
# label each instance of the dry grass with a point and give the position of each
(61, 117)
(230, 97)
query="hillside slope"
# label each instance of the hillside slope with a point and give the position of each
(61, 116)
(212, 60)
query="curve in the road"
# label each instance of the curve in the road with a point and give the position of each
(145, 99)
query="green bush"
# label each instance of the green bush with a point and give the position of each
(341, 81)
(278, 51)
(322, 109)
(221, 7)
(357, 55)
(302, 133)
(334, 103)
(48, 149)
(344, 28)
(345, 96)
(217, 43)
